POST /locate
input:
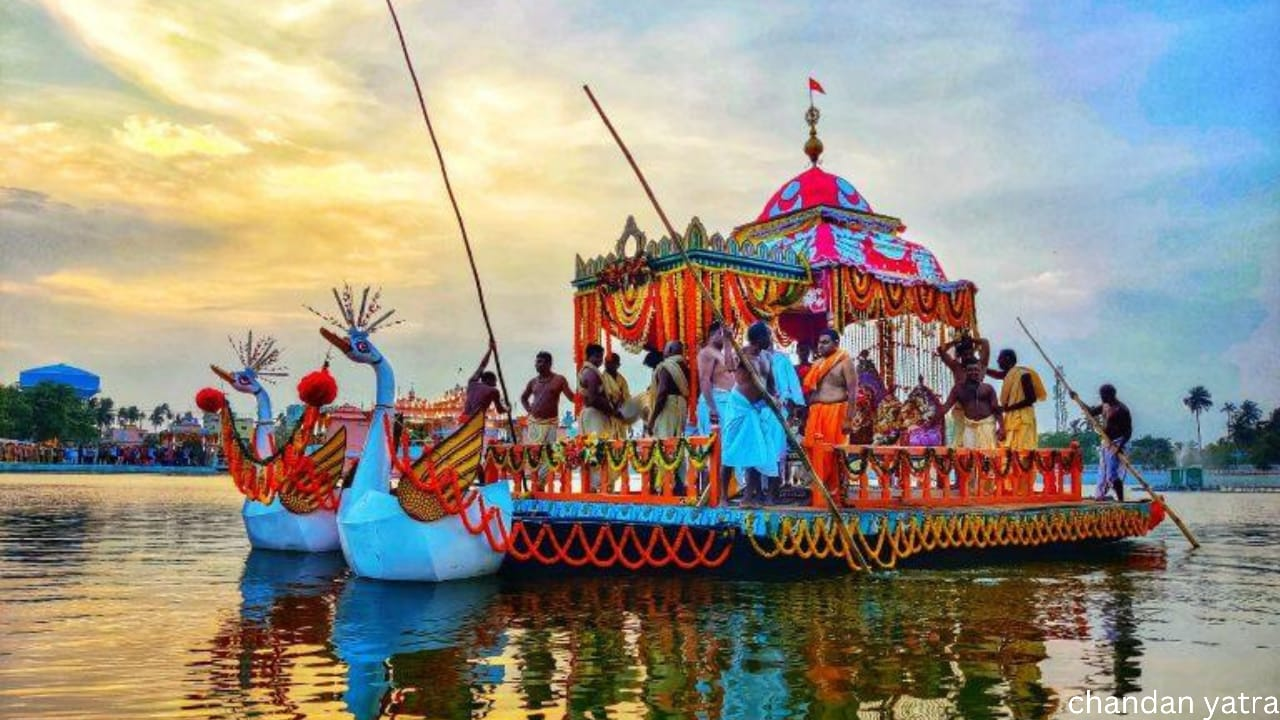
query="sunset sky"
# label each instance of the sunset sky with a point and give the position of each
(174, 172)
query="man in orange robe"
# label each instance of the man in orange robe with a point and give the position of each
(831, 387)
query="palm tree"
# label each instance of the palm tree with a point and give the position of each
(1229, 409)
(1197, 401)
(1244, 426)
(104, 412)
(160, 414)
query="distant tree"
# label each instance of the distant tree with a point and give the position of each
(15, 413)
(1244, 426)
(1152, 452)
(1078, 431)
(160, 414)
(1197, 401)
(104, 412)
(58, 413)
(1265, 452)
(129, 415)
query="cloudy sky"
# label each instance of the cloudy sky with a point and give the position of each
(177, 171)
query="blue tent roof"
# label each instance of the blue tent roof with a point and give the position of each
(85, 383)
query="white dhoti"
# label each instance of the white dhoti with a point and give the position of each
(752, 437)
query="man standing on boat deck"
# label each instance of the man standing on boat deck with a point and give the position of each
(753, 437)
(1020, 390)
(598, 412)
(832, 388)
(790, 396)
(618, 393)
(1118, 425)
(541, 400)
(671, 401)
(716, 362)
(804, 361)
(482, 389)
(981, 422)
(967, 350)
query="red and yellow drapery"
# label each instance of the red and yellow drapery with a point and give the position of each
(858, 296)
(671, 307)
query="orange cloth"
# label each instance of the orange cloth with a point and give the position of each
(823, 430)
(821, 368)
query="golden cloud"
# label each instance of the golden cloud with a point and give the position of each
(161, 138)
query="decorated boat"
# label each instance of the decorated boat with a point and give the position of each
(433, 525)
(290, 492)
(816, 257)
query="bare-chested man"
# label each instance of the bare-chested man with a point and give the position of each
(754, 439)
(541, 399)
(716, 362)
(982, 423)
(831, 386)
(482, 389)
(956, 354)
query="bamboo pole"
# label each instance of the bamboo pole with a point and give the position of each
(1098, 428)
(457, 213)
(860, 561)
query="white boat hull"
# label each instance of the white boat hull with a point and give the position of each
(380, 541)
(272, 527)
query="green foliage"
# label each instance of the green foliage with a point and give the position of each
(1077, 432)
(47, 411)
(15, 413)
(1197, 401)
(160, 414)
(1251, 437)
(1152, 452)
(129, 415)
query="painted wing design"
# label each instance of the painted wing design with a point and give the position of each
(460, 452)
(314, 478)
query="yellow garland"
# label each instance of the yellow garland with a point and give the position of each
(818, 538)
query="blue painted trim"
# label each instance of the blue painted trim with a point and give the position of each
(767, 521)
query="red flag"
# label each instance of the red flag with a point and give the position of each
(815, 85)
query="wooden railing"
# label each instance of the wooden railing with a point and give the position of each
(647, 471)
(644, 471)
(879, 476)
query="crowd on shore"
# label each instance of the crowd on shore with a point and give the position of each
(18, 451)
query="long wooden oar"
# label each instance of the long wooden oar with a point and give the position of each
(854, 556)
(1102, 433)
(475, 274)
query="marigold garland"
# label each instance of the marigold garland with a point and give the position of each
(818, 538)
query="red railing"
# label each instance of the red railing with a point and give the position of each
(878, 476)
(643, 471)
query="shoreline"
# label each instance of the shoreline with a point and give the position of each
(61, 469)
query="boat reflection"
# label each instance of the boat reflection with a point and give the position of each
(417, 649)
(270, 649)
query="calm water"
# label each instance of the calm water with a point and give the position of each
(137, 597)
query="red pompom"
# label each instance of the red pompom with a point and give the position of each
(210, 400)
(318, 389)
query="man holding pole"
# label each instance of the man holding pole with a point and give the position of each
(1117, 424)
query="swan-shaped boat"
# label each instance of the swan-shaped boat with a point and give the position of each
(435, 526)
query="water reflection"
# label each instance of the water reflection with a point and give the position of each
(137, 599)
(911, 645)
(259, 656)
(417, 649)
